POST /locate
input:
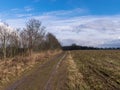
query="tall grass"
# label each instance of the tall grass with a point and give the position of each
(13, 68)
(74, 77)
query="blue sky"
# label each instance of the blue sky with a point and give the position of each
(95, 7)
(85, 22)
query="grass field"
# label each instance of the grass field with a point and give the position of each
(75, 70)
(100, 69)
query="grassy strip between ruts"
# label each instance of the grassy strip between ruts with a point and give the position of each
(67, 76)
(74, 77)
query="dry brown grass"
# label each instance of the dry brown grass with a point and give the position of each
(14, 67)
(67, 76)
(100, 68)
(74, 77)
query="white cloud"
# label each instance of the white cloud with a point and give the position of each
(17, 23)
(20, 10)
(23, 15)
(83, 30)
(16, 13)
(8, 29)
(15, 9)
(28, 9)
(67, 12)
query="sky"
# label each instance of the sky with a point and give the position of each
(84, 22)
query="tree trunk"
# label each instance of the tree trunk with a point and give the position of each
(4, 48)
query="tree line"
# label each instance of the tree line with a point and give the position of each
(77, 47)
(32, 38)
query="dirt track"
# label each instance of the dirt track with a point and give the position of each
(40, 79)
(76, 70)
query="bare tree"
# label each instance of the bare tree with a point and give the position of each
(35, 33)
(32, 37)
(53, 43)
(24, 39)
(4, 37)
(14, 42)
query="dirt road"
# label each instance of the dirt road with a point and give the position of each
(41, 78)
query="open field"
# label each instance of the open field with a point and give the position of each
(100, 69)
(74, 70)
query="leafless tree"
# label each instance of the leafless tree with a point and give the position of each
(53, 43)
(24, 39)
(32, 37)
(14, 42)
(4, 37)
(35, 33)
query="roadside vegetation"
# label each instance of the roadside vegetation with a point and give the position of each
(67, 76)
(74, 77)
(22, 49)
(32, 38)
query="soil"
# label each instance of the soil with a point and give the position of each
(41, 78)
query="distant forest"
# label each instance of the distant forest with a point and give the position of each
(77, 47)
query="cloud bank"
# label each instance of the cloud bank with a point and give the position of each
(72, 26)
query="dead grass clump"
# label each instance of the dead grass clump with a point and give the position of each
(75, 78)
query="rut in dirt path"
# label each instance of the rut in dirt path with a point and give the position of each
(48, 84)
(40, 78)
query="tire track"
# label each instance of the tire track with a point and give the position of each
(41, 77)
(92, 68)
(48, 84)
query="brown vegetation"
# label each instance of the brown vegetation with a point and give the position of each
(100, 69)
(32, 38)
(11, 69)
(89, 70)
(20, 50)
(67, 76)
